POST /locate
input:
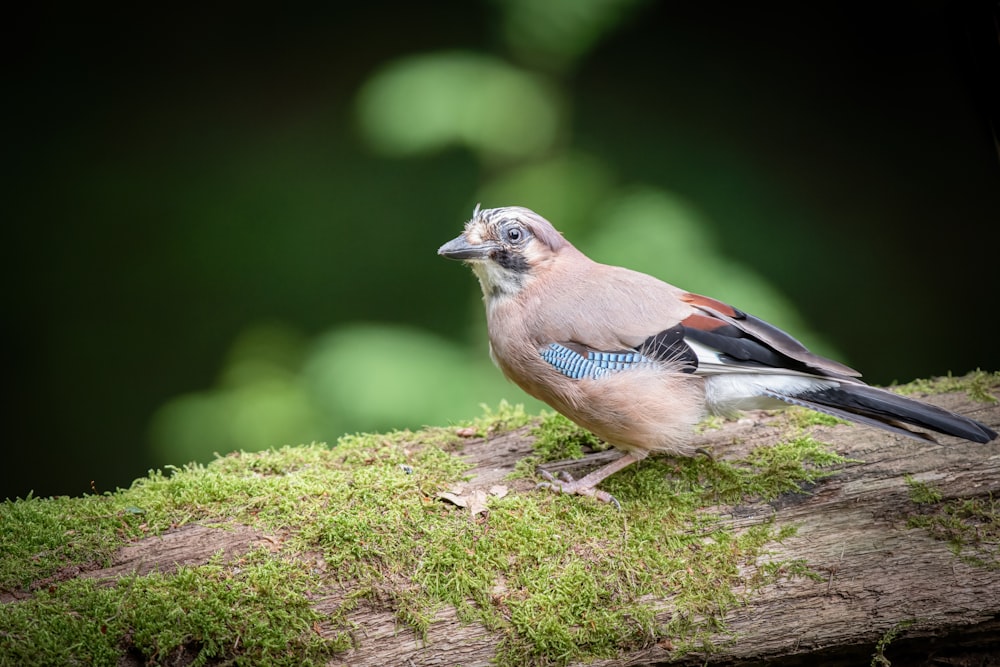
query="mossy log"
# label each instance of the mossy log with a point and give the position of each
(900, 545)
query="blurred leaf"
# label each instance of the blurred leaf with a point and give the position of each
(276, 389)
(259, 402)
(255, 416)
(555, 33)
(564, 189)
(425, 103)
(382, 377)
(264, 352)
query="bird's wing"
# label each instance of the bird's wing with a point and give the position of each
(616, 311)
(729, 340)
(578, 360)
(698, 334)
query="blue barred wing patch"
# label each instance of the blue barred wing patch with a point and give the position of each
(574, 365)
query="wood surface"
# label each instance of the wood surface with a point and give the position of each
(881, 577)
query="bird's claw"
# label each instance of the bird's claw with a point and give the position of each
(551, 479)
(566, 484)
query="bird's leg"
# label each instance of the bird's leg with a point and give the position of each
(585, 485)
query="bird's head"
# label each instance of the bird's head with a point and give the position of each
(506, 248)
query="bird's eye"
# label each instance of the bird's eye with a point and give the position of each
(515, 234)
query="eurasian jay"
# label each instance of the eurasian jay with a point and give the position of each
(639, 362)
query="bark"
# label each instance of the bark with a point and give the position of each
(880, 575)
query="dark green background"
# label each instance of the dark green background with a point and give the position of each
(175, 181)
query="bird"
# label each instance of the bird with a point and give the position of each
(639, 362)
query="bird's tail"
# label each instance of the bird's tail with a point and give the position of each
(877, 407)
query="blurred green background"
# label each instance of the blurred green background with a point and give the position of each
(223, 232)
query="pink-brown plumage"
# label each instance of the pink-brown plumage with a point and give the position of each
(638, 361)
(650, 409)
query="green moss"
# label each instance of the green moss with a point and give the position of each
(980, 385)
(765, 473)
(803, 418)
(257, 609)
(505, 417)
(970, 526)
(710, 423)
(563, 578)
(921, 493)
(558, 578)
(42, 535)
(878, 657)
(271, 490)
(556, 439)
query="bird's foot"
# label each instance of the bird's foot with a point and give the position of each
(565, 483)
(707, 453)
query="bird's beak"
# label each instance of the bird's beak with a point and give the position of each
(460, 248)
